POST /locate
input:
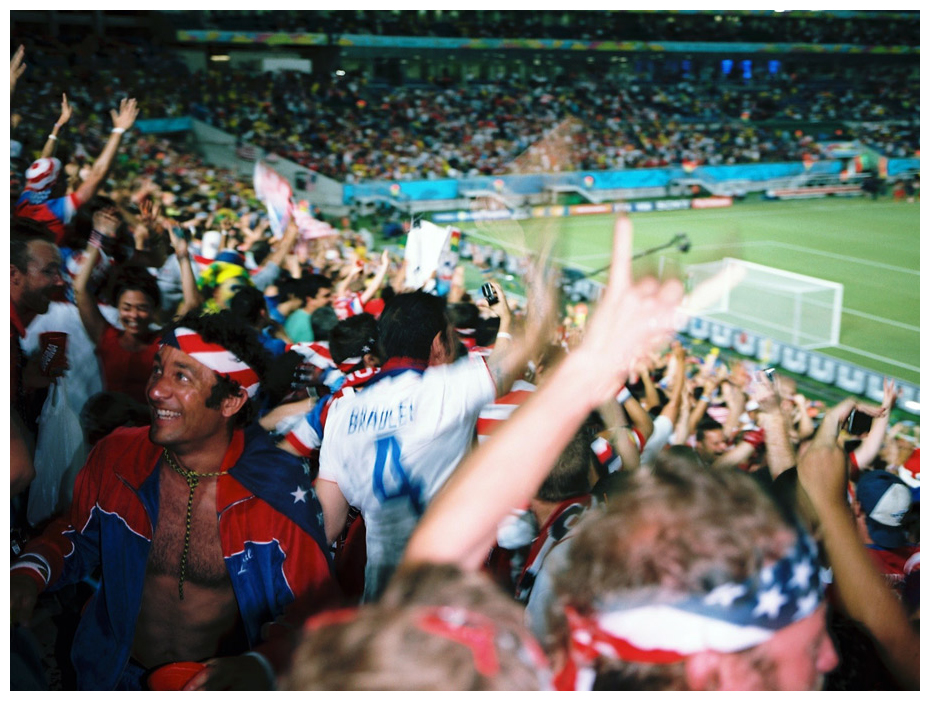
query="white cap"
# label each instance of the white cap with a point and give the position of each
(211, 244)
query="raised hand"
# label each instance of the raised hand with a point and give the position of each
(106, 221)
(631, 319)
(65, 111)
(178, 243)
(17, 67)
(149, 211)
(126, 117)
(890, 395)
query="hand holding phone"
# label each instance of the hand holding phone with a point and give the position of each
(858, 423)
(489, 294)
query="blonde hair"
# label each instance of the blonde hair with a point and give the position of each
(434, 629)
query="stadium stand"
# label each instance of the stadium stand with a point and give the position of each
(276, 474)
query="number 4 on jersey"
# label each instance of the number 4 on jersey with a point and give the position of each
(390, 480)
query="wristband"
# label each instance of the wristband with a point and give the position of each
(117, 130)
(102, 242)
(624, 395)
(95, 239)
(53, 137)
(504, 334)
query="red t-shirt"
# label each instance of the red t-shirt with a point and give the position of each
(891, 563)
(125, 371)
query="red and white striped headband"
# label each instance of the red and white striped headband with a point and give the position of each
(213, 356)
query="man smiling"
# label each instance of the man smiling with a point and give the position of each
(203, 530)
(35, 279)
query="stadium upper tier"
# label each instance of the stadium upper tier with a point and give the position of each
(347, 129)
(882, 28)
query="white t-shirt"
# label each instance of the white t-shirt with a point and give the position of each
(391, 445)
(662, 429)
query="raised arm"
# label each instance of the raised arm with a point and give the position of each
(682, 431)
(106, 222)
(805, 424)
(507, 470)
(192, 297)
(17, 67)
(375, 284)
(617, 423)
(862, 590)
(511, 354)
(639, 417)
(779, 451)
(150, 247)
(869, 448)
(501, 309)
(122, 120)
(650, 393)
(284, 246)
(341, 288)
(700, 408)
(52, 142)
(457, 285)
(676, 383)
(735, 400)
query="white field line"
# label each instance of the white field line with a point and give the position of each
(586, 268)
(564, 262)
(883, 320)
(880, 358)
(846, 310)
(813, 251)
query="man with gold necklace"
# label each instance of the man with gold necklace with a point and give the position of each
(204, 531)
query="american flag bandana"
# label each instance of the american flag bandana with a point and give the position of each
(734, 616)
(214, 356)
(317, 354)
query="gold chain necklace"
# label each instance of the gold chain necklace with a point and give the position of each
(193, 479)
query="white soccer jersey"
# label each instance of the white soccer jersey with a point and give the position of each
(391, 445)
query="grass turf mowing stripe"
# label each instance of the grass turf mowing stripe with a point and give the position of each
(871, 247)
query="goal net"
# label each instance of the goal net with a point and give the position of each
(796, 309)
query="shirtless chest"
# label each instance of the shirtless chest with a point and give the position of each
(205, 564)
(206, 622)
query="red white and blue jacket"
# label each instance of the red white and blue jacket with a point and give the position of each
(271, 529)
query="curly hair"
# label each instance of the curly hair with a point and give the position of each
(234, 334)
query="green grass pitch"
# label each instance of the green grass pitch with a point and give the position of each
(870, 246)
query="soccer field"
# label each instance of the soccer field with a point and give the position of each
(871, 247)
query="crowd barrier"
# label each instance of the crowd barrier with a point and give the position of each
(845, 376)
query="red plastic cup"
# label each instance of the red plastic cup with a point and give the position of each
(52, 359)
(173, 677)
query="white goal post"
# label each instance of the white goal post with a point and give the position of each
(796, 309)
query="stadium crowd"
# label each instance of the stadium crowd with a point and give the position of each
(352, 130)
(626, 25)
(344, 480)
